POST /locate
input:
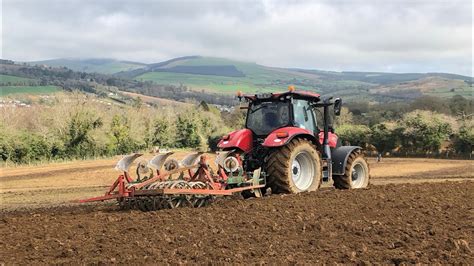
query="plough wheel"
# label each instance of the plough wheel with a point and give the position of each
(123, 204)
(198, 200)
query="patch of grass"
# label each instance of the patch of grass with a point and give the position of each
(466, 91)
(207, 83)
(5, 90)
(14, 80)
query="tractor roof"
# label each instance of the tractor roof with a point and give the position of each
(306, 95)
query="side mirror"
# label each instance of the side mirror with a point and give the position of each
(337, 106)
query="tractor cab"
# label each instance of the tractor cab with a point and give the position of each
(265, 115)
(304, 110)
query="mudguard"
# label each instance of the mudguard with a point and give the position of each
(272, 140)
(339, 158)
(241, 139)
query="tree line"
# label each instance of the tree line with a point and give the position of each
(419, 132)
(75, 127)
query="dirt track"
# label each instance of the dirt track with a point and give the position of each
(403, 222)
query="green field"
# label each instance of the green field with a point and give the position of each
(465, 91)
(14, 79)
(5, 90)
(212, 83)
(257, 78)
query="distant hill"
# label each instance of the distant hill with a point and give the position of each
(104, 66)
(227, 76)
(20, 80)
(220, 75)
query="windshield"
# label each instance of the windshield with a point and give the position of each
(264, 117)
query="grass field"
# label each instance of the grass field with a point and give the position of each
(465, 91)
(13, 79)
(257, 78)
(6, 90)
(206, 82)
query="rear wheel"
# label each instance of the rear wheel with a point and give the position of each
(356, 174)
(294, 168)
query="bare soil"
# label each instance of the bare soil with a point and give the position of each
(60, 183)
(409, 215)
(408, 223)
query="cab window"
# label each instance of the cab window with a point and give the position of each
(303, 115)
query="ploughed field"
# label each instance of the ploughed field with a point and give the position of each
(415, 211)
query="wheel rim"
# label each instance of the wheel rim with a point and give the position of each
(302, 170)
(358, 175)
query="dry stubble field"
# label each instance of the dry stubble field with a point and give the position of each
(416, 211)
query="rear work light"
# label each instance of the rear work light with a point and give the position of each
(282, 135)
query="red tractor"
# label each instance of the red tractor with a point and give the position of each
(284, 137)
(288, 145)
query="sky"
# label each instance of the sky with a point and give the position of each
(339, 35)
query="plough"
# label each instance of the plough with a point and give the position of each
(163, 183)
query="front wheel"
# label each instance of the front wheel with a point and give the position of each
(294, 168)
(356, 174)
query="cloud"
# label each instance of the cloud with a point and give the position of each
(399, 36)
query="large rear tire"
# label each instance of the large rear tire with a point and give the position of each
(356, 174)
(294, 168)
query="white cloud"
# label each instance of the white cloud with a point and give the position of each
(400, 36)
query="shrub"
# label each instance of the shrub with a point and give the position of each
(162, 135)
(357, 135)
(464, 139)
(423, 131)
(120, 135)
(187, 134)
(79, 143)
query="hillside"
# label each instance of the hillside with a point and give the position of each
(27, 79)
(104, 66)
(227, 76)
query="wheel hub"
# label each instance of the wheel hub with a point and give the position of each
(358, 175)
(296, 169)
(302, 170)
